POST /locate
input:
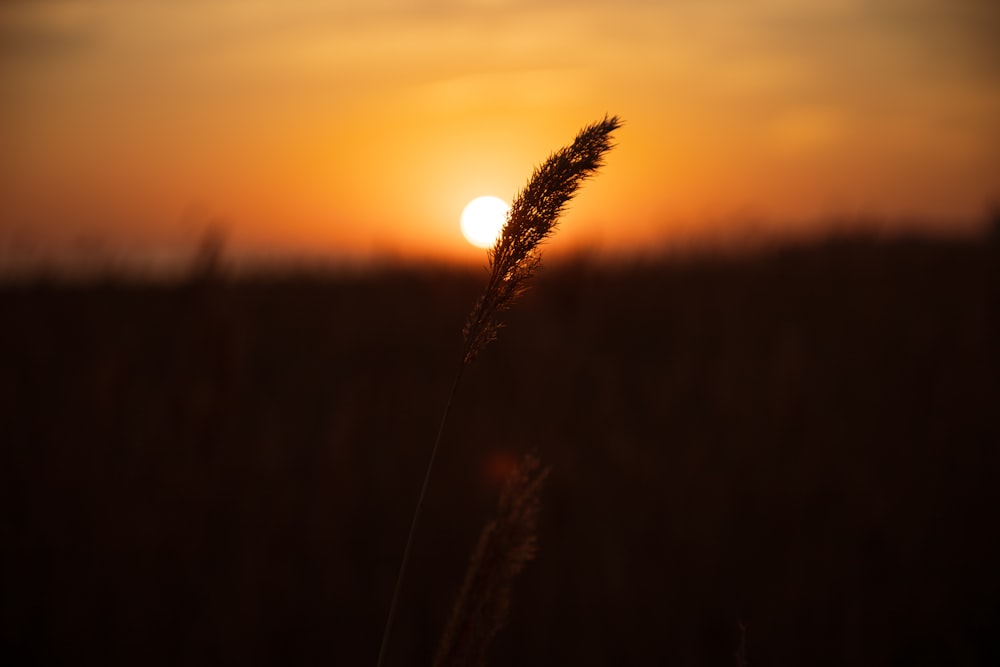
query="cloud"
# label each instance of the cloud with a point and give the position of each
(47, 29)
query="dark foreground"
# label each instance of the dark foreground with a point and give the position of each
(804, 444)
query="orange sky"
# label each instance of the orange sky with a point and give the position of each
(362, 128)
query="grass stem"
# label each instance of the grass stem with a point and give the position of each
(400, 576)
(513, 259)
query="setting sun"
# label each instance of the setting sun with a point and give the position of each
(482, 220)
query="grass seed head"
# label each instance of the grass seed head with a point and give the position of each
(505, 546)
(532, 219)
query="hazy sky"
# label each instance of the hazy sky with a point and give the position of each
(364, 127)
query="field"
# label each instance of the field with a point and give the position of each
(802, 443)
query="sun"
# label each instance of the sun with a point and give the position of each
(482, 220)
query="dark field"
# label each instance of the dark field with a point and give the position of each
(804, 443)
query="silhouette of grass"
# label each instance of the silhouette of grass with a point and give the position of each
(513, 259)
(505, 546)
(531, 220)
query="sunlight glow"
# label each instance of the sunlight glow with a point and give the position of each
(482, 220)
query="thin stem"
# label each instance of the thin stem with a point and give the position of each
(413, 522)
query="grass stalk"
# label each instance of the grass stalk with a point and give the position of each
(512, 261)
(401, 574)
(505, 547)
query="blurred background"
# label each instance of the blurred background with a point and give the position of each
(760, 356)
(802, 441)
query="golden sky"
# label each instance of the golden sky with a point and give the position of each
(362, 128)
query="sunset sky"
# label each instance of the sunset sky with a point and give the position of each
(358, 129)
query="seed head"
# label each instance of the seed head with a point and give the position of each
(532, 218)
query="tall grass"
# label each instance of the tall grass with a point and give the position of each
(513, 259)
(803, 439)
(505, 546)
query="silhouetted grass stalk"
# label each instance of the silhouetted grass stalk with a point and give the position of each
(505, 546)
(512, 260)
